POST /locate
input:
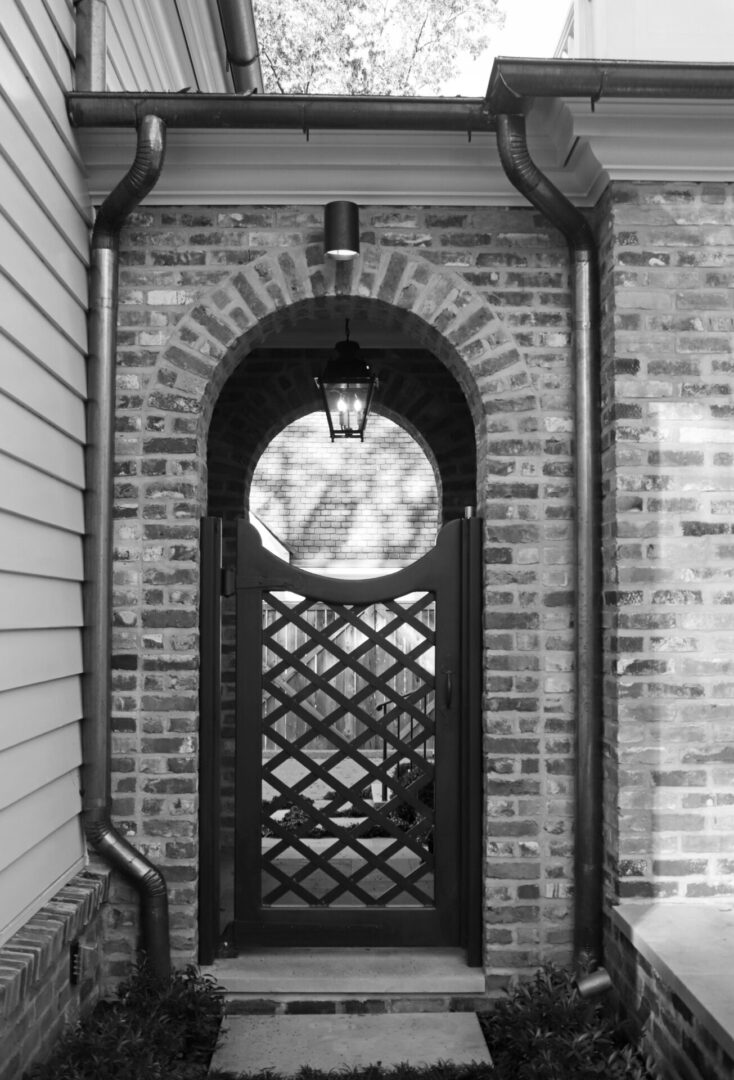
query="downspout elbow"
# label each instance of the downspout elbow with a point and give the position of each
(525, 175)
(139, 180)
(148, 881)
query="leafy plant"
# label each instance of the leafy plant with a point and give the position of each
(404, 815)
(296, 821)
(160, 1030)
(544, 1030)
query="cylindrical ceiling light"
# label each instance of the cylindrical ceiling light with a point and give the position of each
(341, 230)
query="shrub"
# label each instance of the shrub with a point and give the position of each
(160, 1030)
(296, 821)
(544, 1030)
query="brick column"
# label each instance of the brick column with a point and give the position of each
(668, 299)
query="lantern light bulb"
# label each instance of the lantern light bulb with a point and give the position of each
(357, 404)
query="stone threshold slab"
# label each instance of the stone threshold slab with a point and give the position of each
(285, 1044)
(339, 971)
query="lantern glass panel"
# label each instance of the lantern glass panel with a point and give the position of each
(347, 403)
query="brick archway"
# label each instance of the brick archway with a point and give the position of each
(157, 599)
(436, 306)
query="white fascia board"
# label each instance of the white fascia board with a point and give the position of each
(669, 139)
(217, 167)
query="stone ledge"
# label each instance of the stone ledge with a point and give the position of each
(690, 946)
(34, 948)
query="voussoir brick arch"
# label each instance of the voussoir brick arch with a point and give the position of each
(433, 304)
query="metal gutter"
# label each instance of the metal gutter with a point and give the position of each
(513, 83)
(90, 69)
(99, 462)
(240, 39)
(298, 111)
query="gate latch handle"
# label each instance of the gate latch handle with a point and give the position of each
(227, 587)
(449, 688)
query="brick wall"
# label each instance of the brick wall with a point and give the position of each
(37, 995)
(348, 501)
(668, 295)
(485, 291)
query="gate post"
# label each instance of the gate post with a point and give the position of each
(210, 692)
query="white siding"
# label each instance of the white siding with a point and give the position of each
(44, 243)
(168, 45)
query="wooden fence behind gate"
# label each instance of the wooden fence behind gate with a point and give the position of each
(345, 680)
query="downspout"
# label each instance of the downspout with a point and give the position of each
(90, 68)
(99, 461)
(240, 40)
(588, 857)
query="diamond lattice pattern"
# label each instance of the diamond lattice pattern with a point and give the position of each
(348, 752)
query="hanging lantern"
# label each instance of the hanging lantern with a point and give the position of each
(347, 385)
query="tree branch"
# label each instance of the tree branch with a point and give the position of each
(416, 46)
(273, 69)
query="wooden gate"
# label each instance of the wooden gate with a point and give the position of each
(357, 751)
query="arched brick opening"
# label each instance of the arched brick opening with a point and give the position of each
(273, 387)
(443, 314)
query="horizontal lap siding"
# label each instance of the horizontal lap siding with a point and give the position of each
(44, 231)
(129, 52)
(145, 44)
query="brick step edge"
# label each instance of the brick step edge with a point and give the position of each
(282, 1005)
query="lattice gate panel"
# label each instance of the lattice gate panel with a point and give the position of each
(348, 752)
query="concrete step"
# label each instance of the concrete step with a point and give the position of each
(349, 981)
(285, 1044)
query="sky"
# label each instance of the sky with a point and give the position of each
(532, 28)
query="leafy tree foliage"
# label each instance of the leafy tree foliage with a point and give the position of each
(401, 47)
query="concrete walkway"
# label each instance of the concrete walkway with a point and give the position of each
(286, 1043)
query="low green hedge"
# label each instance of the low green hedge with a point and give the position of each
(544, 1030)
(155, 1030)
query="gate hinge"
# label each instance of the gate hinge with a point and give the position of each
(227, 587)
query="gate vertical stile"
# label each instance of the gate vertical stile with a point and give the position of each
(209, 735)
(249, 640)
(363, 696)
(471, 737)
